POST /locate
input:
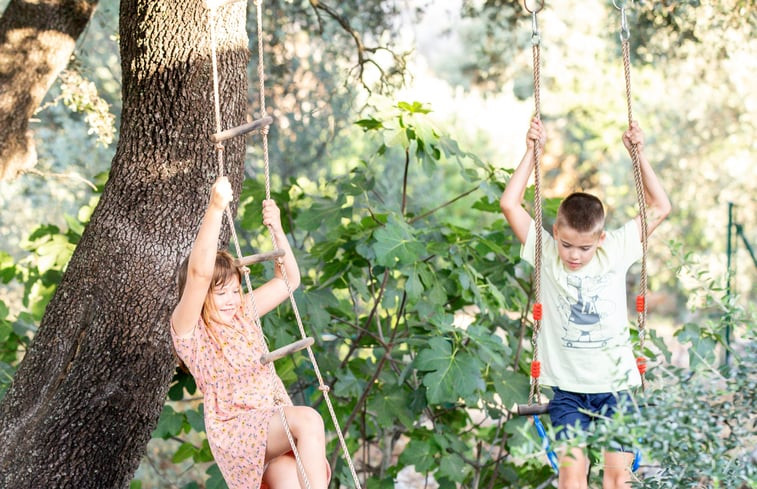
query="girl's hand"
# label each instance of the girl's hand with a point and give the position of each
(634, 136)
(272, 216)
(220, 194)
(535, 133)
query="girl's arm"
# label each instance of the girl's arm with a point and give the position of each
(202, 260)
(274, 292)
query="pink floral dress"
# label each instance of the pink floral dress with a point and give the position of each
(240, 395)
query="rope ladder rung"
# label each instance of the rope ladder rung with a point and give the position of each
(259, 258)
(242, 130)
(286, 350)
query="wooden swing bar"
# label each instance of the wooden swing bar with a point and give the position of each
(531, 409)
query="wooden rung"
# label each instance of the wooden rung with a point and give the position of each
(240, 130)
(286, 350)
(530, 410)
(259, 257)
(211, 4)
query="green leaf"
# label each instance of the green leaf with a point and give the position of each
(421, 453)
(395, 243)
(204, 454)
(414, 107)
(196, 418)
(451, 374)
(390, 404)
(185, 451)
(369, 124)
(348, 385)
(215, 481)
(322, 214)
(512, 387)
(413, 284)
(452, 466)
(169, 424)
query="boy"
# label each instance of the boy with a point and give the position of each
(584, 341)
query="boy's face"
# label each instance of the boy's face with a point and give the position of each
(576, 248)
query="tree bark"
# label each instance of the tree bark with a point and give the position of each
(89, 391)
(36, 42)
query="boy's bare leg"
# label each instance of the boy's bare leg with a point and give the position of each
(617, 470)
(573, 466)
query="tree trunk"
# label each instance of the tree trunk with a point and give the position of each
(36, 42)
(90, 389)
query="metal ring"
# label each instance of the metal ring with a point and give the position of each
(621, 6)
(539, 3)
(625, 33)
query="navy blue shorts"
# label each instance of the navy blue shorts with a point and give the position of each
(567, 409)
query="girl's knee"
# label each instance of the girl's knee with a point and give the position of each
(309, 421)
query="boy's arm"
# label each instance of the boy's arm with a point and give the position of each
(658, 204)
(512, 197)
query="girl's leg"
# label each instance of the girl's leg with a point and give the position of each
(281, 473)
(617, 470)
(573, 467)
(306, 427)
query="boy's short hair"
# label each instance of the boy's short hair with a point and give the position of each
(582, 212)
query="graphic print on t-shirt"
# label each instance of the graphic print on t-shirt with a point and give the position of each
(583, 325)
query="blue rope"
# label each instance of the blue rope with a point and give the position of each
(545, 444)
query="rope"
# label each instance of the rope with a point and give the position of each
(641, 308)
(280, 262)
(534, 395)
(234, 238)
(292, 444)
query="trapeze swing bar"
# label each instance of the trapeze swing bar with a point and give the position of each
(286, 350)
(259, 258)
(241, 130)
(214, 4)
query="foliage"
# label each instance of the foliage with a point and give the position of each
(386, 274)
(49, 250)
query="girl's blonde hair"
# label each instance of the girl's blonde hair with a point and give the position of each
(224, 270)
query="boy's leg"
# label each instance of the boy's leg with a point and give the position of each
(564, 412)
(573, 467)
(617, 470)
(617, 460)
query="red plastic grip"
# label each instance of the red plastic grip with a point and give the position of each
(535, 369)
(641, 364)
(537, 311)
(639, 303)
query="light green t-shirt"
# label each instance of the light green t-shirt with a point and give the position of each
(584, 342)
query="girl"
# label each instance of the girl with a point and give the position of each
(215, 337)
